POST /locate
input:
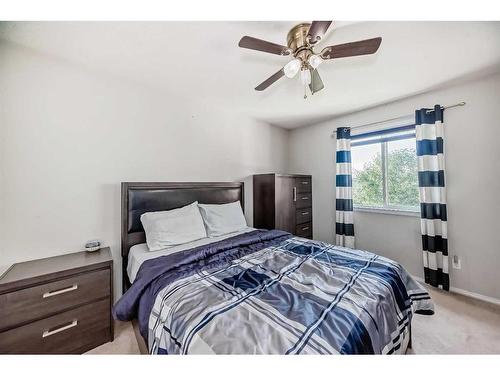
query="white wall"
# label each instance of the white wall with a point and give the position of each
(473, 184)
(69, 136)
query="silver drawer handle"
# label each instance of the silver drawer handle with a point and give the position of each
(305, 213)
(60, 291)
(304, 183)
(305, 198)
(294, 194)
(64, 328)
(305, 228)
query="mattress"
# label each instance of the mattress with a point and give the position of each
(139, 253)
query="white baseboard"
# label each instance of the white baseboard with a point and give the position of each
(466, 293)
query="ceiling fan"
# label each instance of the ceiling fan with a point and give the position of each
(301, 41)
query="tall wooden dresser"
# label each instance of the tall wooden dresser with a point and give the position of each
(57, 305)
(282, 201)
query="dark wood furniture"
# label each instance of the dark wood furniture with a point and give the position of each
(283, 201)
(141, 197)
(57, 305)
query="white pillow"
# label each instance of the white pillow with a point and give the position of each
(223, 218)
(174, 227)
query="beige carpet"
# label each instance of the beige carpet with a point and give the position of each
(461, 325)
(124, 343)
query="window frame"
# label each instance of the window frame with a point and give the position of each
(384, 137)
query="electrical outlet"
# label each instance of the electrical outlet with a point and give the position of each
(457, 264)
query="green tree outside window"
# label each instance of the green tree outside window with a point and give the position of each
(397, 188)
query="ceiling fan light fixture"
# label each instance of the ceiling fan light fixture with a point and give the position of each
(305, 76)
(315, 61)
(292, 68)
(301, 43)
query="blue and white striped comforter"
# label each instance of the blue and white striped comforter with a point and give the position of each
(272, 293)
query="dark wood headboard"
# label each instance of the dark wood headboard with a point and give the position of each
(141, 197)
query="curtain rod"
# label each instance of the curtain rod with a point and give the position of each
(401, 117)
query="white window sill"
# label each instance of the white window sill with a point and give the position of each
(388, 211)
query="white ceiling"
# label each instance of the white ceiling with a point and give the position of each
(201, 61)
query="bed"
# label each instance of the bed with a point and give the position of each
(258, 291)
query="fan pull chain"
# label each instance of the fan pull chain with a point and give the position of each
(305, 92)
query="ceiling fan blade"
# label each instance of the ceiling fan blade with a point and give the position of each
(363, 47)
(268, 82)
(264, 46)
(317, 30)
(316, 82)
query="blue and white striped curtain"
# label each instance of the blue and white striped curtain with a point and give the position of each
(430, 153)
(344, 224)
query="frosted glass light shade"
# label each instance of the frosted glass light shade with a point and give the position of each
(305, 76)
(314, 61)
(292, 68)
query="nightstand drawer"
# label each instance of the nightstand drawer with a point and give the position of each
(28, 304)
(304, 230)
(303, 215)
(74, 331)
(303, 184)
(303, 200)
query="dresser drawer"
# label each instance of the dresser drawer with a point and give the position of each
(28, 304)
(73, 331)
(303, 215)
(304, 230)
(303, 184)
(303, 200)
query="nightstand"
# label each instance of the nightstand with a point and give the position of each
(57, 305)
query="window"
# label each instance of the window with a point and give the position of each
(384, 170)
